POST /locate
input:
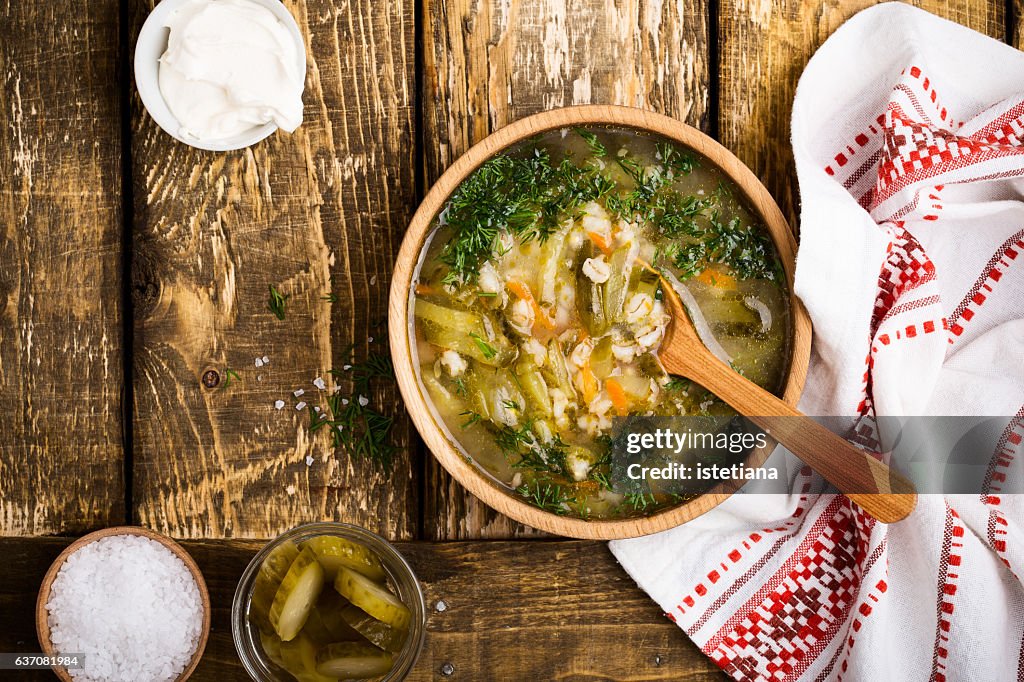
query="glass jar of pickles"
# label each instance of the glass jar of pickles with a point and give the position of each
(327, 602)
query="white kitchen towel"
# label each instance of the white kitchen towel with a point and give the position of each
(908, 133)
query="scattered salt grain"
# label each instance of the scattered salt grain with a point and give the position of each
(369, 340)
(290, 490)
(316, 409)
(319, 383)
(259, 362)
(266, 360)
(309, 461)
(347, 367)
(300, 405)
(131, 606)
(344, 401)
(278, 404)
(299, 391)
(373, 280)
(364, 401)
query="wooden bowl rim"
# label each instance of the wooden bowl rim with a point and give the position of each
(43, 625)
(448, 453)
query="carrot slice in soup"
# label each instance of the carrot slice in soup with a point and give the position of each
(522, 291)
(588, 382)
(601, 242)
(618, 396)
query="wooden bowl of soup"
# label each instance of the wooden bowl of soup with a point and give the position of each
(522, 325)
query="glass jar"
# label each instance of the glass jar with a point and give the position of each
(400, 576)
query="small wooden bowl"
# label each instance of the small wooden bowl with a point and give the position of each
(446, 451)
(43, 626)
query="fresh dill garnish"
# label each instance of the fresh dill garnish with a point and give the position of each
(330, 298)
(472, 418)
(546, 457)
(513, 440)
(487, 294)
(277, 302)
(639, 501)
(746, 249)
(485, 348)
(524, 196)
(460, 386)
(510, 405)
(595, 145)
(675, 160)
(676, 384)
(550, 497)
(229, 374)
(602, 479)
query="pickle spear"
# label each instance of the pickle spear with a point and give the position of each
(295, 598)
(298, 657)
(334, 552)
(353, 660)
(379, 634)
(371, 598)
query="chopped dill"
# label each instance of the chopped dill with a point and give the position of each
(677, 384)
(356, 428)
(472, 418)
(526, 196)
(550, 497)
(485, 348)
(229, 374)
(277, 302)
(595, 145)
(639, 501)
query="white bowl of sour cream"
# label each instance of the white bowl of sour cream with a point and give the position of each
(221, 74)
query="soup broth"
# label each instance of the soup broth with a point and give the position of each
(537, 322)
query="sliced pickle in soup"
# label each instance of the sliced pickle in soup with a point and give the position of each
(464, 332)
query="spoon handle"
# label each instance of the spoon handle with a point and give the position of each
(851, 470)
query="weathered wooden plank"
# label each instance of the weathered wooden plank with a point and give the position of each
(1017, 36)
(317, 213)
(489, 63)
(763, 50)
(61, 451)
(513, 611)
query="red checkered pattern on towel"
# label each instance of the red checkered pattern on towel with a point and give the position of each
(912, 267)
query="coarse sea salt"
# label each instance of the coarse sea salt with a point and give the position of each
(130, 606)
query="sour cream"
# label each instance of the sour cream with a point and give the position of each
(230, 66)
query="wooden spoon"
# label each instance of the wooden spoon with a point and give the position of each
(852, 470)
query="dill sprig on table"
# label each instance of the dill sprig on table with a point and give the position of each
(277, 302)
(359, 430)
(229, 374)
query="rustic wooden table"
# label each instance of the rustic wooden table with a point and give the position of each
(131, 265)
